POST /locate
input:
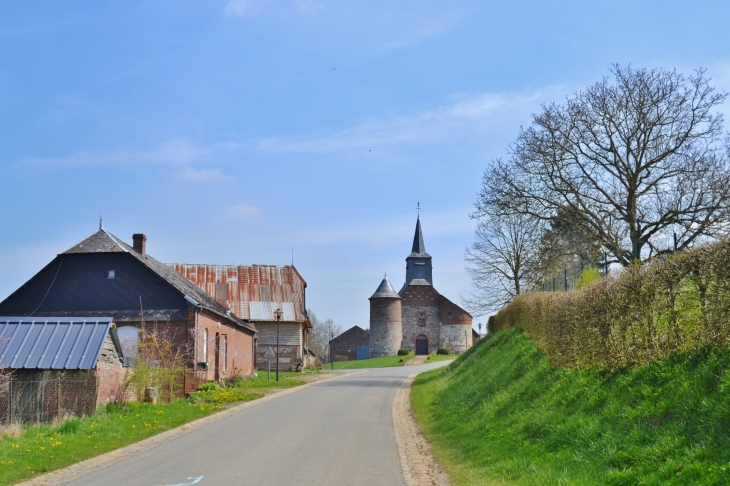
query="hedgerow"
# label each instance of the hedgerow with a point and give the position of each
(661, 308)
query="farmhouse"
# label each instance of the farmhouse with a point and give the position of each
(254, 293)
(58, 366)
(104, 277)
(417, 317)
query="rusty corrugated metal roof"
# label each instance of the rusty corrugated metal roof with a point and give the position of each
(252, 292)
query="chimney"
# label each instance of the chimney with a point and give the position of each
(140, 243)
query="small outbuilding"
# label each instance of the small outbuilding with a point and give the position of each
(57, 366)
(351, 345)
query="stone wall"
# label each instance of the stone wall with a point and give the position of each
(386, 326)
(456, 337)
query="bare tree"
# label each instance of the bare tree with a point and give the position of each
(632, 160)
(321, 333)
(503, 261)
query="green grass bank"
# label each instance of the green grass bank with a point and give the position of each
(500, 414)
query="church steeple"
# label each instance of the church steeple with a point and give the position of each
(418, 263)
(419, 248)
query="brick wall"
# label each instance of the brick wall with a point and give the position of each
(239, 355)
(421, 316)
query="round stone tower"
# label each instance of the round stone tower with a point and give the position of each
(386, 321)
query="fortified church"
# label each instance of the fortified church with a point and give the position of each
(417, 318)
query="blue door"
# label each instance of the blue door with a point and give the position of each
(363, 352)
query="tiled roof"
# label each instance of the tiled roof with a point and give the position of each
(70, 343)
(104, 242)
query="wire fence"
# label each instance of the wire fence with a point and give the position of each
(44, 396)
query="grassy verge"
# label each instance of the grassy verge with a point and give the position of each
(287, 379)
(42, 448)
(382, 362)
(440, 357)
(501, 414)
(35, 449)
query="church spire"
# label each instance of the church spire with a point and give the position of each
(418, 246)
(418, 263)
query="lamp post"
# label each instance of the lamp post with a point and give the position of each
(278, 314)
(332, 350)
(480, 330)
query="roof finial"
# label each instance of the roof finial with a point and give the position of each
(100, 223)
(419, 210)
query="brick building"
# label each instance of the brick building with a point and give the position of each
(104, 277)
(345, 346)
(417, 317)
(253, 293)
(60, 366)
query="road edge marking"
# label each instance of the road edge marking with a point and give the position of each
(93, 464)
(417, 464)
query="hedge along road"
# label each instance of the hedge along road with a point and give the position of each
(336, 432)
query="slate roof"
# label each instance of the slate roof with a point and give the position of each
(70, 343)
(104, 242)
(419, 248)
(385, 290)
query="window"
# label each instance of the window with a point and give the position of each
(422, 320)
(225, 353)
(205, 345)
(128, 339)
(111, 275)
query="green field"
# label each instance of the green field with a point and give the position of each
(501, 414)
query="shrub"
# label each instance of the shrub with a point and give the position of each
(404, 359)
(443, 351)
(208, 386)
(403, 351)
(588, 276)
(234, 381)
(664, 307)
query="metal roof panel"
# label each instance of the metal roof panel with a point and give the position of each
(51, 342)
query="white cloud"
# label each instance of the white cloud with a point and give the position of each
(203, 175)
(179, 151)
(241, 211)
(466, 116)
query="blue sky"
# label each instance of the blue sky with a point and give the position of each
(232, 131)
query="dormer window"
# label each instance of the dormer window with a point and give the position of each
(111, 275)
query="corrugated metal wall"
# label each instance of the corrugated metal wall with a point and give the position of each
(252, 292)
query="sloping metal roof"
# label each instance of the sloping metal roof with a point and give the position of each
(252, 292)
(70, 343)
(419, 248)
(385, 290)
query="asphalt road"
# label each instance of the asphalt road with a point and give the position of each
(337, 432)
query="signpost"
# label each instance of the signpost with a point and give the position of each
(269, 356)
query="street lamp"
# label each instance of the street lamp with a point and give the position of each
(480, 330)
(278, 314)
(332, 350)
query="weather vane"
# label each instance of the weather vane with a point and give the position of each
(419, 209)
